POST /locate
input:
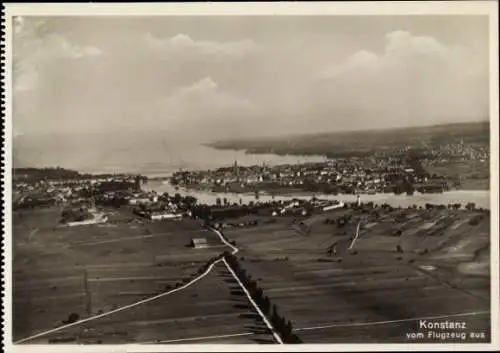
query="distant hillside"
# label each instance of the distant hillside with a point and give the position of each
(363, 142)
(44, 174)
(56, 173)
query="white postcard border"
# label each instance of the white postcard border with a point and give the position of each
(488, 8)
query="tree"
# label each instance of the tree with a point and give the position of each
(470, 206)
(190, 201)
(282, 325)
(259, 293)
(73, 317)
(266, 305)
(177, 198)
(275, 313)
(243, 273)
(252, 286)
(289, 329)
(235, 265)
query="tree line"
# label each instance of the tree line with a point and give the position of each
(283, 327)
(58, 173)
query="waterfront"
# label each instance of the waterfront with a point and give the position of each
(480, 197)
(161, 157)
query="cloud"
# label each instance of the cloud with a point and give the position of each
(94, 74)
(403, 43)
(204, 105)
(363, 60)
(205, 98)
(36, 48)
(182, 43)
(402, 51)
(415, 77)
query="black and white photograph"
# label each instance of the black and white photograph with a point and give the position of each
(216, 174)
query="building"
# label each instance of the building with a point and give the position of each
(199, 243)
(333, 206)
(236, 170)
(92, 216)
(158, 216)
(138, 183)
(110, 186)
(95, 220)
(139, 201)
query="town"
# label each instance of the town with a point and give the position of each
(82, 197)
(399, 171)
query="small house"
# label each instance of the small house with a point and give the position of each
(199, 243)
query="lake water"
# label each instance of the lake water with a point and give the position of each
(480, 197)
(151, 155)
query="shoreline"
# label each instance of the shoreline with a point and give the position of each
(165, 180)
(299, 192)
(259, 151)
(481, 198)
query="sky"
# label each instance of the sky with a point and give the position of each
(213, 77)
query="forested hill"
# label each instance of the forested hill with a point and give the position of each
(363, 142)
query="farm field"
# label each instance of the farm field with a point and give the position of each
(212, 310)
(408, 264)
(87, 270)
(361, 295)
(474, 174)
